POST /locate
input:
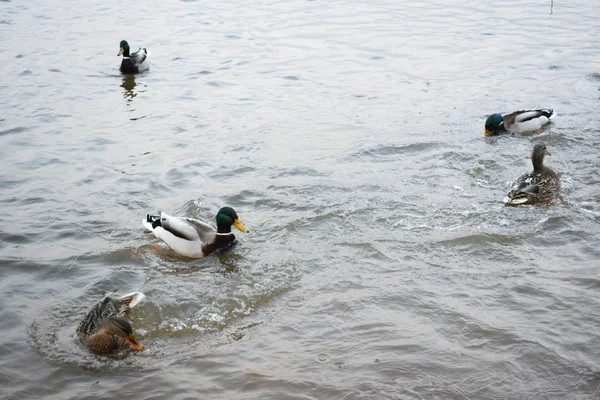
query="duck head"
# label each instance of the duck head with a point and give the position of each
(493, 125)
(120, 327)
(124, 49)
(537, 156)
(226, 217)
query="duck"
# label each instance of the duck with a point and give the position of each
(104, 330)
(518, 121)
(539, 186)
(134, 62)
(193, 238)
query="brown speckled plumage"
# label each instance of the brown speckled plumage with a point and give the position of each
(104, 330)
(540, 186)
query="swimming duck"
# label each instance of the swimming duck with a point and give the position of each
(134, 62)
(104, 330)
(541, 185)
(193, 238)
(517, 122)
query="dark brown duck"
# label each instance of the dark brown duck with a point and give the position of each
(104, 330)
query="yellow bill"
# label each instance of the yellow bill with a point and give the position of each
(239, 225)
(121, 51)
(487, 132)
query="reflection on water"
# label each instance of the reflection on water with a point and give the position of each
(129, 85)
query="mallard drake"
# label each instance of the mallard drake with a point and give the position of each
(517, 122)
(104, 330)
(541, 185)
(134, 62)
(193, 238)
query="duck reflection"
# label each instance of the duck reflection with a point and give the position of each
(129, 85)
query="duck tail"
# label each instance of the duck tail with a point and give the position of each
(512, 200)
(550, 114)
(152, 221)
(520, 195)
(128, 301)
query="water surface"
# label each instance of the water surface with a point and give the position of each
(381, 263)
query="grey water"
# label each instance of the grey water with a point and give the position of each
(348, 135)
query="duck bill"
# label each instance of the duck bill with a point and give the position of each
(239, 225)
(548, 153)
(121, 51)
(487, 132)
(131, 341)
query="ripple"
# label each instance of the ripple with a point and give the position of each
(15, 130)
(381, 262)
(199, 74)
(594, 76)
(16, 239)
(383, 153)
(221, 84)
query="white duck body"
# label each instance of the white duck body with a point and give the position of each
(190, 237)
(518, 121)
(528, 121)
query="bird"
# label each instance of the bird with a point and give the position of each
(517, 121)
(134, 62)
(193, 238)
(539, 186)
(104, 330)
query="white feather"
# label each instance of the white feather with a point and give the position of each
(526, 115)
(136, 297)
(531, 125)
(188, 248)
(147, 225)
(144, 65)
(507, 201)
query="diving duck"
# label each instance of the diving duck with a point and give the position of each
(517, 122)
(193, 238)
(104, 330)
(539, 186)
(134, 62)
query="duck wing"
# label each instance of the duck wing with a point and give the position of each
(527, 115)
(527, 120)
(205, 232)
(526, 183)
(139, 56)
(101, 310)
(181, 227)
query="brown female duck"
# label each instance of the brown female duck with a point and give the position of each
(539, 186)
(104, 330)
